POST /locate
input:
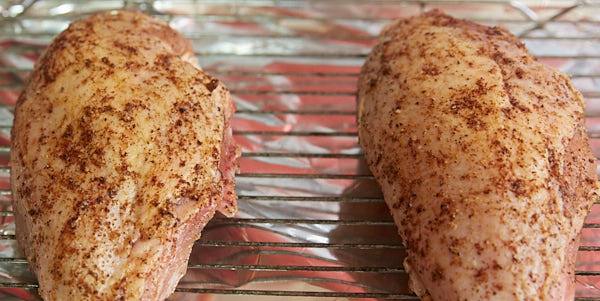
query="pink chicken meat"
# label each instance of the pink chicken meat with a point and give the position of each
(121, 153)
(483, 159)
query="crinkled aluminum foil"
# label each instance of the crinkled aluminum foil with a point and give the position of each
(292, 68)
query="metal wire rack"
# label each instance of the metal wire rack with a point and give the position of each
(310, 211)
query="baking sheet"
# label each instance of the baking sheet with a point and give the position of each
(292, 69)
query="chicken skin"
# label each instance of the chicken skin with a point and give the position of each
(121, 153)
(483, 159)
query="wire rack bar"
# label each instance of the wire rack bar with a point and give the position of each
(19, 86)
(257, 73)
(288, 112)
(294, 133)
(276, 221)
(259, 267)
(33, 286)
(341, 199)
(7, 192)
(285, 175)
(277, 293)
(299, 268)
(279, 154)
(301, 245)
(310, 198)
(362, 55)
(305, 221)
(257, 292)
(6, 149)
(292, 36)
(262, 17)
(593, 135)
(365, 246)
(348, 54)
(296, 112)
(302, 155)
(305, 176)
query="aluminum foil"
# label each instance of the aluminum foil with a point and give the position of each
(311, 219)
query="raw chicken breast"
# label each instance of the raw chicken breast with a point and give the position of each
(483, 159)
(121, 153)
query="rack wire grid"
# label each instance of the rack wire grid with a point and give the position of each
(312, 222)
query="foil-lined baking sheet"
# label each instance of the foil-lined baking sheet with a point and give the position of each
(312, 224)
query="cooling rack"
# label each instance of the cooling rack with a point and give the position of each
(312, 222)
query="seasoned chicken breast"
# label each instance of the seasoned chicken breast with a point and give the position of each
(121, 152)
(483, 159)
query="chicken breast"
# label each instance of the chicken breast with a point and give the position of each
(121, 153)
(483, 159)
